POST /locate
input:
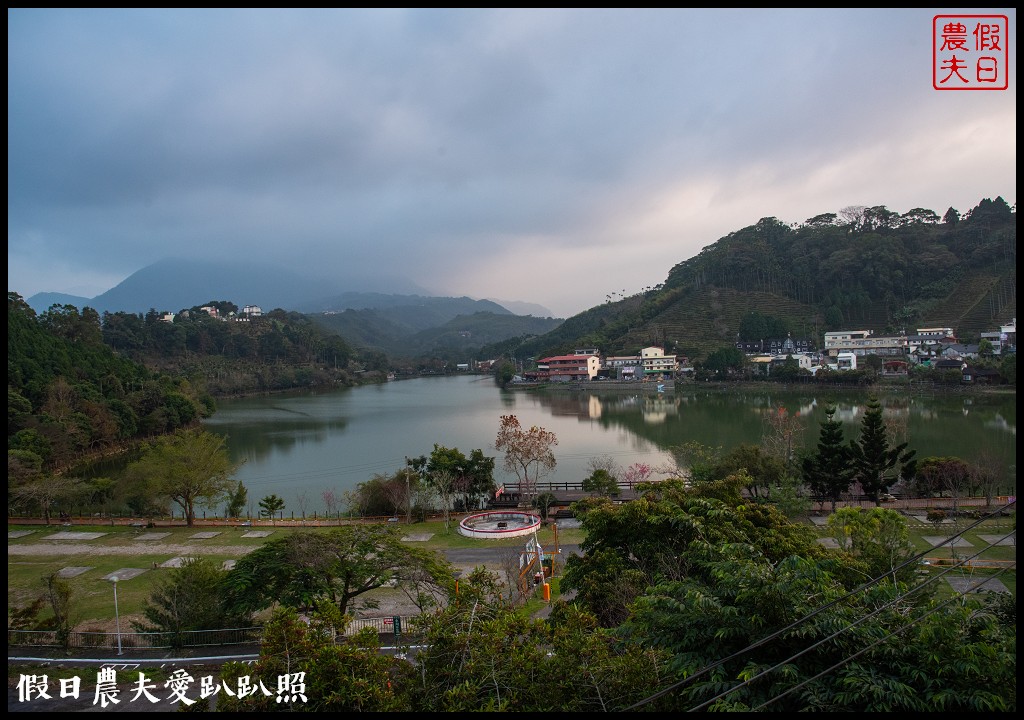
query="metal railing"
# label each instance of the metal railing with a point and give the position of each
(189, 638)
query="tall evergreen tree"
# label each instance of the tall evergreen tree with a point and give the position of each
(877, 464)
(828, 472)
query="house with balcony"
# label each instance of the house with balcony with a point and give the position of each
(655, 362)
(864, 342)
(566, 368)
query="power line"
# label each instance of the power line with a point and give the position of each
(718, 663)
(894, 601)
(884, 639)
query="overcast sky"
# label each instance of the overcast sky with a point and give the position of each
(549, 156)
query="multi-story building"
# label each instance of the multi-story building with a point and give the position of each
(565, 368)
(656, 362)
(625, 367)
(863, 342)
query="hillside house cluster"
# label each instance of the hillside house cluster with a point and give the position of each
(843, 350)
(936, 347)
(588, 364)
(248, 312)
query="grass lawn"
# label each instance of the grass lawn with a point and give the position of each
(123, 547)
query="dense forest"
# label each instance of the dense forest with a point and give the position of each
(80, 386)
(863, 267)
(70, 396)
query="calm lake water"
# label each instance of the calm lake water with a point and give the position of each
(300, 445)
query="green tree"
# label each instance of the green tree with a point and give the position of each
(765, 471)
(480, 655)
(877, 537)
(660, 535)
(237, 500)
(504, 371)
(724, 362)
(878, 464)
(340, 674)
(339, 565)
(189, 467)
(188, 598)
(271, 505)
(601, 482)
(60, 597)
(828, 472)
(745, 633)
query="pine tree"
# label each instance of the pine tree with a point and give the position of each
(877, 464)
(829, 472)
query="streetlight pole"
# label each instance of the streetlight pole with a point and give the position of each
(117, 617)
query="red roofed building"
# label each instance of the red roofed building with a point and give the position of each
(566, 368)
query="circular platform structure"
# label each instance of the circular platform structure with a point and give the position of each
(499, 524)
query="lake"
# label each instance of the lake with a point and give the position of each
(299, 445)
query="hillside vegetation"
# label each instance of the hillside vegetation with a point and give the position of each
(861, 268)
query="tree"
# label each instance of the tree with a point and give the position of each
(950, 474)
(340, 674)
(636, 474)
(878, 465)
(271, 505)
(60, 595)
(478, 655)
(878, 537)
(765, 471)
(724, 361)
(331, 501)
(543, 503)
(443, 483)
(338, 565)
(188, 598)
(189, 467)
(45, 491)
(527, 453)
(828, 472)
(237, 500)
(601, 482)
(781, 434)
(504, 372)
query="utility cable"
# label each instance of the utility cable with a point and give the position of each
(899, 598)
(913, 560)
(884, 639)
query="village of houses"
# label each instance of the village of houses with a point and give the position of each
(931, 347)
(935, 347)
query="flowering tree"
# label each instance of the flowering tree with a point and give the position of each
(636, 474)
(527, 453)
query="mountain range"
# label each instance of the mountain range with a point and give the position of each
(173, 284)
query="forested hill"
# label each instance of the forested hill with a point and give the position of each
(70, 396)
(862, 268)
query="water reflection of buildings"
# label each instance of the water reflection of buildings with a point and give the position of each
(654, 409)
(1000, 423)
(657, 408)
(584, 407)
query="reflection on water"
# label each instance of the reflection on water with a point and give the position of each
(308, 443)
